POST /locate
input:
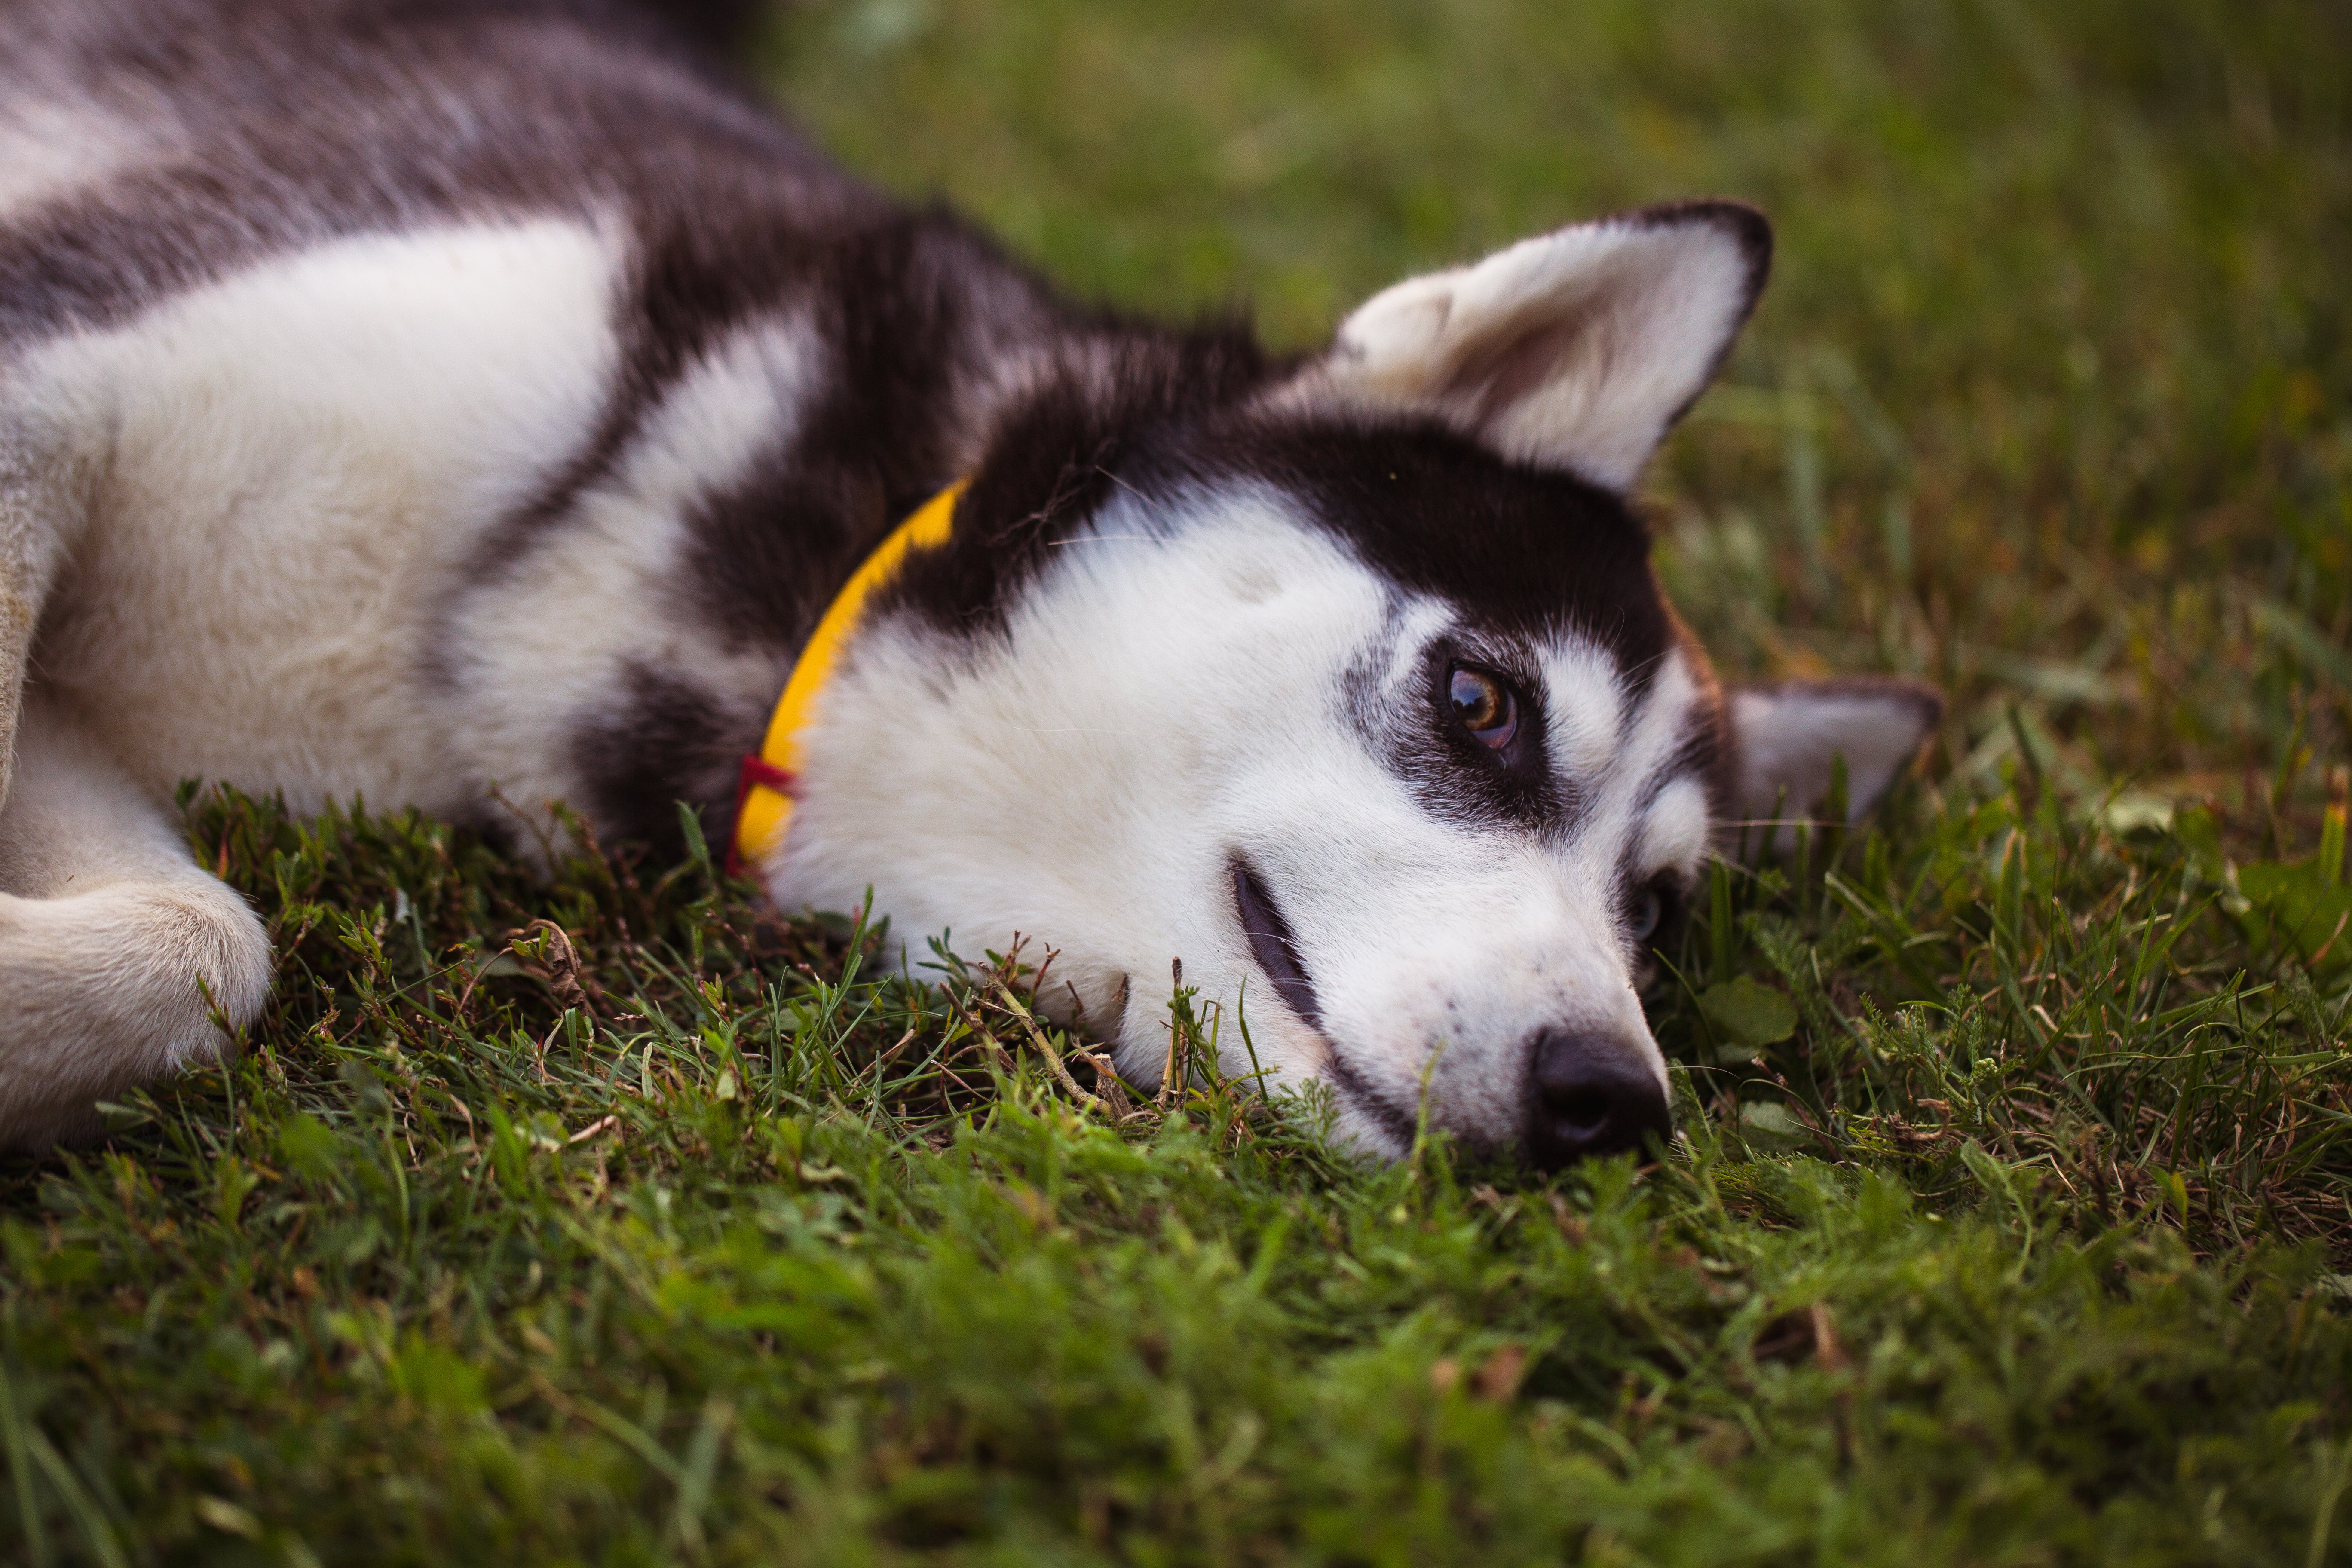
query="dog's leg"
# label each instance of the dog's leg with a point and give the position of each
(111, 936)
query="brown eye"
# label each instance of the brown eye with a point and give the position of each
(1486, 707)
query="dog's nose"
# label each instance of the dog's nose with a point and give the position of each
(1593, 1096)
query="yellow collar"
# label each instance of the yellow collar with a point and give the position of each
(764, 805)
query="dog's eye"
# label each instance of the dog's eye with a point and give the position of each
(1486, 707)
(1653, 910)
(1649, 913)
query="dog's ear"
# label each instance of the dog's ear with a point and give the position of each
(1576, 350)
(1788, 734)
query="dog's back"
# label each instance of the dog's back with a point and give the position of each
(145, 147)
(379, 300)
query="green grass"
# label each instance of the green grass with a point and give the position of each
(2016, 1221)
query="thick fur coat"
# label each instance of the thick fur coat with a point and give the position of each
(475, 406)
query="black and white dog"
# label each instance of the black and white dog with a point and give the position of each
(420, 399)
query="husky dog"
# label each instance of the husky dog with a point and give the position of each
(457, 403)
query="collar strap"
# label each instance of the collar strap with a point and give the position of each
(763, 790)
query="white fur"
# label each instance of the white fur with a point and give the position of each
(1172, 693)
(266, 487)
(1577, 349)
(1791, 734)
(544, 645)
(235, 519)
(115, 948)
(232, 518)
(1625, 809)
(55, 135)
(48, 149)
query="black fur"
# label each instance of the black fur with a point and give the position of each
(1524, 554)
(898, 324)
(663, 738)
(319, 119)
(717, 26)
(1454, 771)
(1272, 943)
(767, 554)
(327, 117)
(1057, 456)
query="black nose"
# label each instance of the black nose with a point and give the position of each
(1592, 1095)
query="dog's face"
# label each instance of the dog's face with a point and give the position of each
(1360, 698)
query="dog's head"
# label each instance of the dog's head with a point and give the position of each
(1350, 685)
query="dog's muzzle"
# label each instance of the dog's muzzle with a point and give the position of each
(1590, 1096)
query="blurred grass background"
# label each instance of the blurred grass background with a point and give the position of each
(616, 1220)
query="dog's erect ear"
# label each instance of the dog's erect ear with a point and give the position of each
(1577, 349)
(1787, 735)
